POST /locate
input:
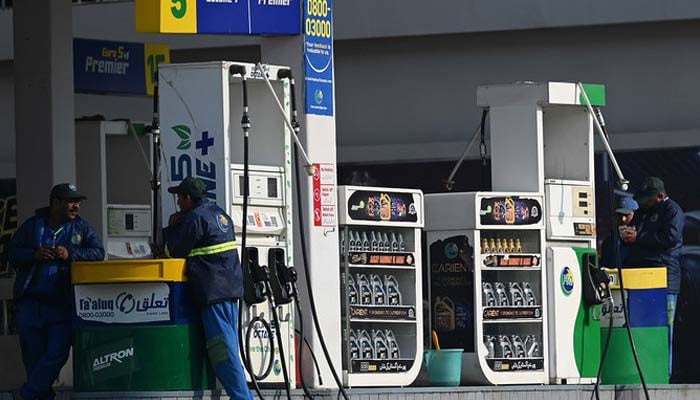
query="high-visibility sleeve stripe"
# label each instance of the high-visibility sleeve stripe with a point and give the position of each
(213, 249)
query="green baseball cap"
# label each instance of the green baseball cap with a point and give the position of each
(190, 186)
(651, 187)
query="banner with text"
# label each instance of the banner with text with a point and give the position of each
(251, 17)
(318, 56)
(123, 304)
(116, 67)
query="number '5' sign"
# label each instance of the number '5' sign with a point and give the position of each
(179, 8)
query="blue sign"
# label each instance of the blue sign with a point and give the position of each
(275, 17)
(228, 16)
(318, 56)
(101, 66)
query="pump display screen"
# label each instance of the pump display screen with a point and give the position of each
(129, 221)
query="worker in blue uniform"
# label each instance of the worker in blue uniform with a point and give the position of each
(41, 252)
(625, 215)
(657, 240)
(203, 233)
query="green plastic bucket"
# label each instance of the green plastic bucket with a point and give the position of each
(444, 366)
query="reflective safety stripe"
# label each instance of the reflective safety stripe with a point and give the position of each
(213, 249)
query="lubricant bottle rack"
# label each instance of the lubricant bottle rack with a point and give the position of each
(380, 284)
(495, 307)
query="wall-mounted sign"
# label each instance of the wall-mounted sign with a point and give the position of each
(249, 17)
(116, 67)
(318, 56)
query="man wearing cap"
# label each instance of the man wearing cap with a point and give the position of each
(203, 233)
(658, 238)
(625, 214)
(41, 252)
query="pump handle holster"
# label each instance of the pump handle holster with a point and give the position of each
(278, 278)
(596, 287)
(253, 278)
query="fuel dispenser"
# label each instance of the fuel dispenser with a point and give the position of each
(553, 129)
(216, 118)
(535, 230)
(268, 245)
(113, 166)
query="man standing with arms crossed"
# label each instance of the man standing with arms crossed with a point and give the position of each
(203, 233)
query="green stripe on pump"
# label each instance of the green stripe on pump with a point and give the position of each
(595, 92)
(213, 249)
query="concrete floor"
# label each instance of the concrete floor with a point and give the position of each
(549, 392)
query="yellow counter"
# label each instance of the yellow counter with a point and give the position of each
(116, 271)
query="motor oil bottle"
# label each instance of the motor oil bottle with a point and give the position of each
(373, 242)
(444, 312)
(387, 243)
(485, 246)
(378, 292)
(365, 242)
(394, 243)
(342, 242)
(499, 245)
(354, 347)
(505, 346)
(393, 344)
(489, 299)
(518, 246)
(352, 245)
(501, 295)
(490, 343)
(529, 295)
(516, 294)
(365, 343)
(518, 346)
(402, 243)
(364, 289)
(532, 347)
(511, 246)
(381, 348)
(352, 291)
(392, 290)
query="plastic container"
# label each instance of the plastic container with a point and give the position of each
(135, 329)
(444, 366)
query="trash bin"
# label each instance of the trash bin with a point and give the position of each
(645, 290)
(136, 328)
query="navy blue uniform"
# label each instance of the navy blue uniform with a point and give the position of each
(205, 237)
(42, 294)
(659, 240)
(608, 259)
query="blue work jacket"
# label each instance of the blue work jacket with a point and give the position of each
(659, 241)
(206, 239)
(50, 280)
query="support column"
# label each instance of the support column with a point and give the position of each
(317, 118)
(43, 73)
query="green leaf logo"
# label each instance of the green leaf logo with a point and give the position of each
(183, 131)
